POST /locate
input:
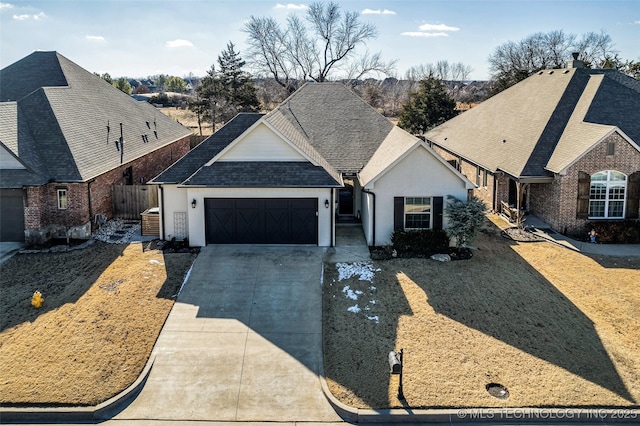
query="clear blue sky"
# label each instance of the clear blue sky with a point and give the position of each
(142, 38)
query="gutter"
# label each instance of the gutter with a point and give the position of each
(162, 210)
(373, 242)
(333, 218)
(91, 218)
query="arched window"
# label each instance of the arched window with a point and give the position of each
(607, 194)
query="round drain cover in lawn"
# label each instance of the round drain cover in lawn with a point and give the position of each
(497, 390)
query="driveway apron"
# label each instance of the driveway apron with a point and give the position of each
(243, 341)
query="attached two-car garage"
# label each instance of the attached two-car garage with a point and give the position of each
(261, 220)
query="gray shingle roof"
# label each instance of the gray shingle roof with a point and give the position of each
(337, 123)
(207, 149)
(68, 119)
(544, 123)
(335, 129)
(263, 174)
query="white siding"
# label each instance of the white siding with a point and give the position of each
(171, 200)
(419, 174)
(262, 144)
(8, 161)
(179, 199)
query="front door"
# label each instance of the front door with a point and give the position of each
(345, 198)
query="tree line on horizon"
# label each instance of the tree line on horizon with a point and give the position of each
(330, 45)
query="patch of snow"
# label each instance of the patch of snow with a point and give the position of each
(155, 262)
(362, 269)
(373, 302)
(373, 288)
(355, 309)
(374, 318)
(353, 295)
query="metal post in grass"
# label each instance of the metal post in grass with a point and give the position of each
(395, 363)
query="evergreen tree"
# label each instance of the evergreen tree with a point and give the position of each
(229, 90)
(429, 107)
(465, 219)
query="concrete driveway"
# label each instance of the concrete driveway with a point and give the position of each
(243, 341)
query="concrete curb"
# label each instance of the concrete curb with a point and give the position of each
(102, 411)
(524, 415)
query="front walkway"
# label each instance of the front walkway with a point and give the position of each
(351, 245)
(542, 229)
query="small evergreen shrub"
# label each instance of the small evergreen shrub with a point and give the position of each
(423, 242)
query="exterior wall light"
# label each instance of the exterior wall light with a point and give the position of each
(193, 203)
(326, 203)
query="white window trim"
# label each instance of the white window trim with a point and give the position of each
(66, 198)
(608, 183)
(422, 213)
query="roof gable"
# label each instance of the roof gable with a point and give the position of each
(260, 143)
(396, 147)
(180, 171)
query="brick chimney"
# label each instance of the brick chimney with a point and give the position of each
(575, 63)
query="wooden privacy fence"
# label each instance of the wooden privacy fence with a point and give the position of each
(131, 200)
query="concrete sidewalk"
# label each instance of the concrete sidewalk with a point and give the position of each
(542, 229)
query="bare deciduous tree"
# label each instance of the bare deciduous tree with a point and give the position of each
(512, 61)
(453, 75)
(325, 43)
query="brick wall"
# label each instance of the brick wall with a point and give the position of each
(626, 159)
(143, 170)
(469, 170)
(556, 203)
(43, 218)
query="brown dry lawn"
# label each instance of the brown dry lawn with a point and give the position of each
(556, 327)
(104, 308)
(187, 119)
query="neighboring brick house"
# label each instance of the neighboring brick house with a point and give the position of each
(562, 145)
(66, 137)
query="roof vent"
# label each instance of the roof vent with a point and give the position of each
(541, 72)
(550, 72)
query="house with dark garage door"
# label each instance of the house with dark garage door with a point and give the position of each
(288, 176)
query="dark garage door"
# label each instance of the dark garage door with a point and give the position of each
(261, 220)
(11, 215)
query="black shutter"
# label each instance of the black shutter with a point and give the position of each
(584, 186)
(398, 212)
(633, 197)
(437, 212)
